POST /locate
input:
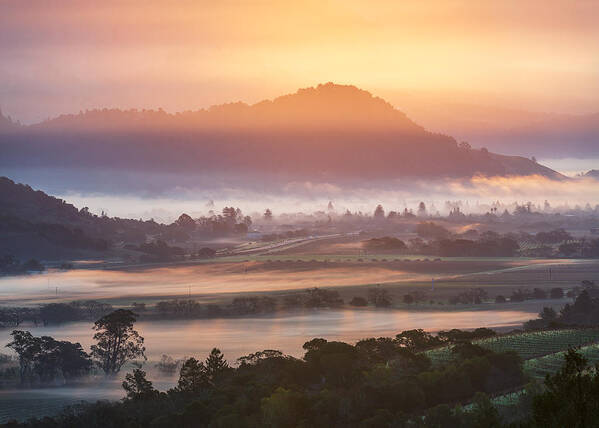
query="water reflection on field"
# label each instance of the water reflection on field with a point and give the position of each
(206, 280)
(199, 280)
(287, 332)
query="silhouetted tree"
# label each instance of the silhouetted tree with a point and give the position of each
(138, 387)
(215, 364)
(192, 376)
(268, 214)
(117, 341)
(571, 396)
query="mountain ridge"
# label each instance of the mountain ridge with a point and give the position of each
(328, 131)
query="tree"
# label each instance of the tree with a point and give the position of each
(548, 314)
(319, 297)
(117, 341)
(571, 396)
(379, 212)
(26, 346)
(557, 293)
(46, 359)
(215, 364)
(283, 408)
(57, 313)
(484, 414)
(379, 297)
(192, 376)
(230, 215)
(421, 209)
(268, 214)
(186, 222)
(416, 340)
(138, 387)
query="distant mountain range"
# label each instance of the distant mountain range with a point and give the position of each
(326, 132)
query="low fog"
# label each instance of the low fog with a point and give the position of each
(164, 196)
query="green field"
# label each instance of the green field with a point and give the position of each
(537, 368)
(543, 353)
(528, 345)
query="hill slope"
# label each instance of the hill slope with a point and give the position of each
(34, 224)
(330, 131)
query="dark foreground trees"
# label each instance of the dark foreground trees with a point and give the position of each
(117, 341)
(571, 398)
(378, 382)
(195, 375)
(44, 359)
(138, 387)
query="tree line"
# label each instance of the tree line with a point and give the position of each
(44, 359)
(376, 382)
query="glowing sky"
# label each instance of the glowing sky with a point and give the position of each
(63, 56)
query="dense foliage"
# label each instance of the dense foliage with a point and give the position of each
(583, 312)
(377, 382)
(44, 359)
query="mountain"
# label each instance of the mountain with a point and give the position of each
(34, 224)
(331, 132)
(519, 132)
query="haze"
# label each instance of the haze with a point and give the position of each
(61, 57)
(276, 214)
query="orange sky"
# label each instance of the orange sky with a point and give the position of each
(63, 56)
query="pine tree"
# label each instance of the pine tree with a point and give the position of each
(215, 364)
(193, 376)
